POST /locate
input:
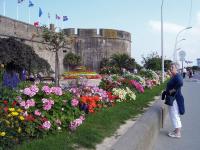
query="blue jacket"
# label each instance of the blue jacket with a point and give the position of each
(176, 82)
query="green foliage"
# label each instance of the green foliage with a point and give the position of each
(149, 74)
(105, 62)
(153, 61)
(122, 61)
(167, 64)
(116, 63)
(71, 60)
(110, 70)
(21, 56)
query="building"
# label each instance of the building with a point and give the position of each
(91, 44)
(198, 62)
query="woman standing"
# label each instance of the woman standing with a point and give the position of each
(174, 89)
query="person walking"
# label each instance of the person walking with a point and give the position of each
(184, 72)
(173, 88)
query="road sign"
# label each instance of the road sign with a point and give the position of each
(182, 55)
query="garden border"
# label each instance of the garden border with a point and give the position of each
(143, 134)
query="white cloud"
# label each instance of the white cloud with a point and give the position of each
(167, 26)
(191, 45)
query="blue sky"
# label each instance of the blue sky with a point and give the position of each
(139, 17)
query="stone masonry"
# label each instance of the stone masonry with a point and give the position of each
(87, 43)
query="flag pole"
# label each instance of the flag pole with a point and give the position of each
(4, 7)
(29, 18)
(17, 11)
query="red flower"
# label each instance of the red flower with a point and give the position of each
(43, 119)
(5, 102)
(29, 118)
(14, 103)
(5, 109)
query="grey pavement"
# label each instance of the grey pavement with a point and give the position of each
(190, 139)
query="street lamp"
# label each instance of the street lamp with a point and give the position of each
(162, 41)
(176, 49)
(175, 53)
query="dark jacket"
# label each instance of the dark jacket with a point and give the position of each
(176, 82)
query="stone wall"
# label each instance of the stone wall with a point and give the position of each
(87, 43)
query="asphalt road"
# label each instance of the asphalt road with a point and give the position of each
(190, 139)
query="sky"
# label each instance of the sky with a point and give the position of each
(139, 17)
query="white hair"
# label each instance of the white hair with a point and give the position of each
(175, 64)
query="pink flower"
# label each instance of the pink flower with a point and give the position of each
(34, 88)
(22, 104)
(82, 117)
(77, 122)
(27, 91)
(74, 102)
(46, 89)
(47, 104)
(37, 112)
(31, 91)
(138, 86)
(46, 125)
(56, 90)
(30, 102)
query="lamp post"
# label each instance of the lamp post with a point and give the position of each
(162, 56)
(176, 49)
(175, 52)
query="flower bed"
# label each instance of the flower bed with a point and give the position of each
(38, 110)
(78, 74)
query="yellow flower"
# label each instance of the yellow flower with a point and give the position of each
(11, 109)
(2, 133)
(19, 110)
(14, 113)
(21, 118)
(9, 115)
(19, 130)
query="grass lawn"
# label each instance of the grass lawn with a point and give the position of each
(96, 126)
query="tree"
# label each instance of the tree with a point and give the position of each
(167, 64)
(123, 61)
(71, 60)
(105, 62)
(20, 56)
(153, 61)
(55, 42)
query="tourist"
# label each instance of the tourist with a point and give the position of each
(184, 72)
(174, 89)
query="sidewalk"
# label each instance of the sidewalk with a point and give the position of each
(190, 139)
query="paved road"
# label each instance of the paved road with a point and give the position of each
(190, 139)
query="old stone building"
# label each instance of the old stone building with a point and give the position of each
(91, 44)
